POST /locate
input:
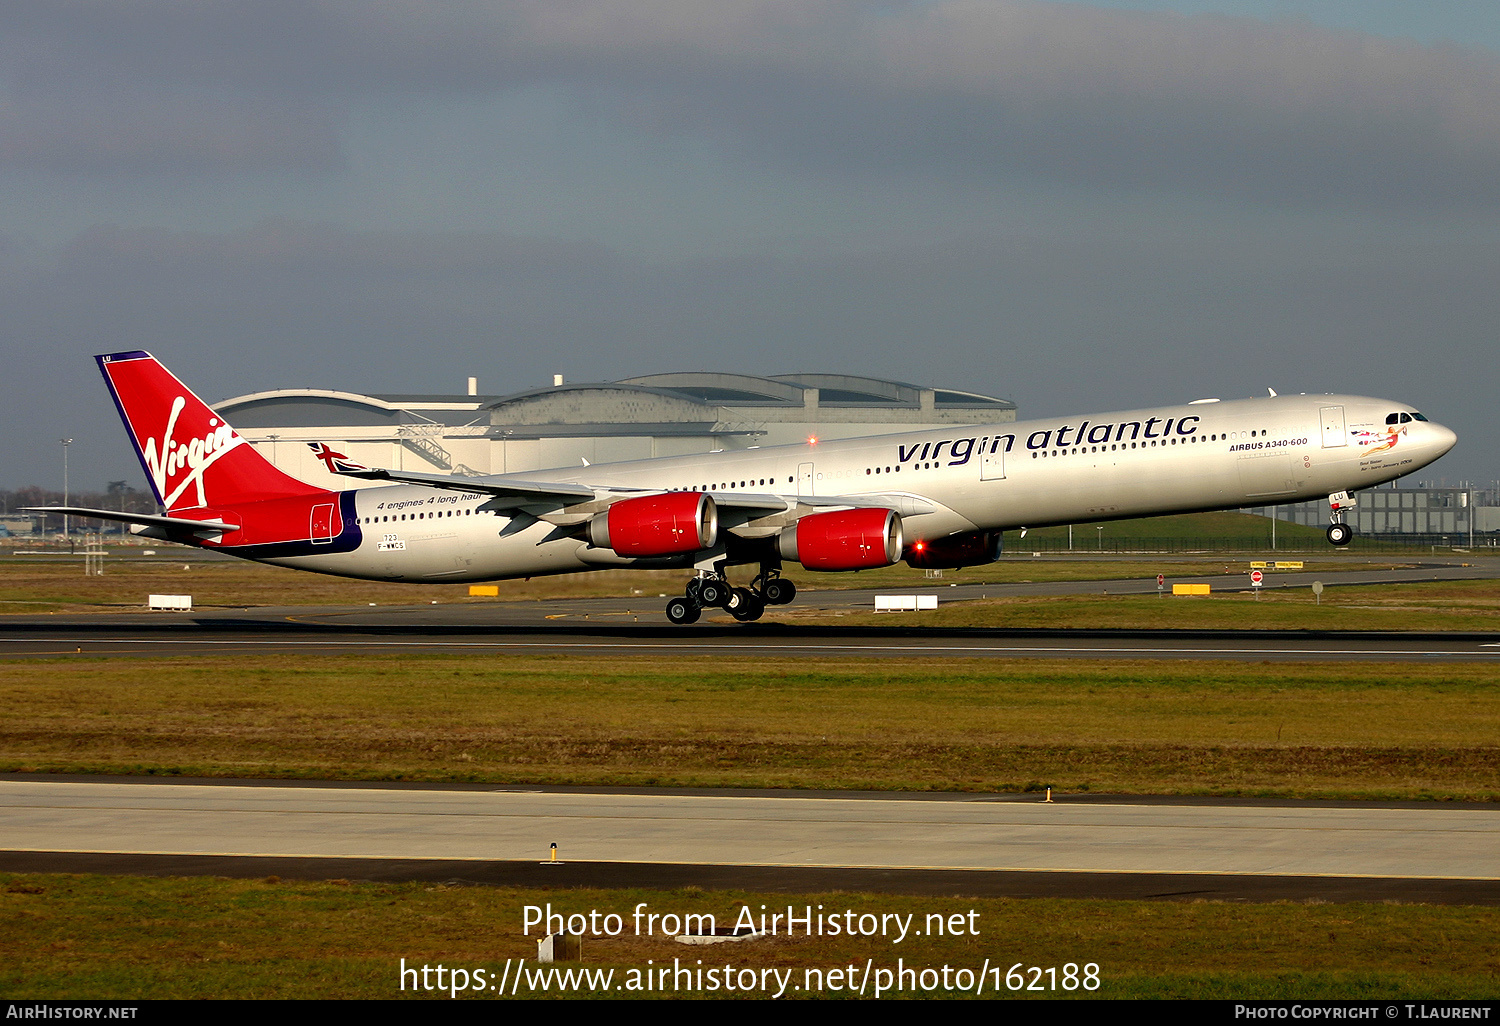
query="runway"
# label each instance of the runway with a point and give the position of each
(957, 844)
(611, 630)
(636, 625)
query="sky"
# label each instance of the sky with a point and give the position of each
(1076, 206)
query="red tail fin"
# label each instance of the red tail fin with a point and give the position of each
(191, 456)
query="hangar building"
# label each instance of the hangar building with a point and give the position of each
(637, 418)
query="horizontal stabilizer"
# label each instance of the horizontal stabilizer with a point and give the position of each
(144, 519)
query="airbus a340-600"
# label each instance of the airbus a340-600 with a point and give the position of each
(936, 499)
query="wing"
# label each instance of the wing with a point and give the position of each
(757, 514)
(499, 485)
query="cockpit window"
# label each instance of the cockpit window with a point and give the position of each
(1418, 416)
(1393, 418)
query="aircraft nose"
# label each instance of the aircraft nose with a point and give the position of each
(1443, 438)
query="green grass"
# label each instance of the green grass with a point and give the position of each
(1325, 730)
(93, 937)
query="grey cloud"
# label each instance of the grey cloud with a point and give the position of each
(143, 132)
(1063, 324)
(976, 91)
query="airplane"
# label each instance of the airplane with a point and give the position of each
(935, 499)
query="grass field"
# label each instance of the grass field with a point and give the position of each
(1316, 731)
(34, 585)
(1434, 606)
(111, 937)
(1325, 730)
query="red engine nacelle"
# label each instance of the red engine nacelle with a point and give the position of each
(853, 539)
(668, 524)
(972, 548)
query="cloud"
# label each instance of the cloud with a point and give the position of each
(136, 132)
(1061, 323)
(961, 90)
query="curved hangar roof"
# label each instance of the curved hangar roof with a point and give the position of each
(685, 397)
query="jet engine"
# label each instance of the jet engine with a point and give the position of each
(851, 539)
(668, 524)
(972, 548)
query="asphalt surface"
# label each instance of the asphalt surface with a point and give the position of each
(999, 845)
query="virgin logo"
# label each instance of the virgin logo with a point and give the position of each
(195, 456)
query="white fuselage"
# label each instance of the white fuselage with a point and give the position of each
(1202, 456)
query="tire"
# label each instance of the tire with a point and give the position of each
(713, 593)
(682, 610)
(779, 591)
(1340, 534)
(750, 607)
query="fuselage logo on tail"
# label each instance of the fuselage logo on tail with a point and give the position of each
(196, 456)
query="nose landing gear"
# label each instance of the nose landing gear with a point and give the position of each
(1339, 533)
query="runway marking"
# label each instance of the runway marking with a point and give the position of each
(755, 642)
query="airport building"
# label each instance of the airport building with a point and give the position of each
(566, 424)
(1449, 516)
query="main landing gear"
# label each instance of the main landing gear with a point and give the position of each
(744, 604)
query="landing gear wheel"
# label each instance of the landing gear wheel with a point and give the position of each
(714, 593)
(1340, 534)
(683, 610)
(746, 605)
(779, 591)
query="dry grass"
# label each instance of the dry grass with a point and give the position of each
(1436, 606)
(35, 585)
(89, 937)
(1406, 730)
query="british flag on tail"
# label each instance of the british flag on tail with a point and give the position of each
(335, 461)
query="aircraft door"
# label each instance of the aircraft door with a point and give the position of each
(804, 479)
(320, 525)
(1334, 433)
(992, 465)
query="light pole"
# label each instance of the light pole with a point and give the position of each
(1100, 529)
(65, 443)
